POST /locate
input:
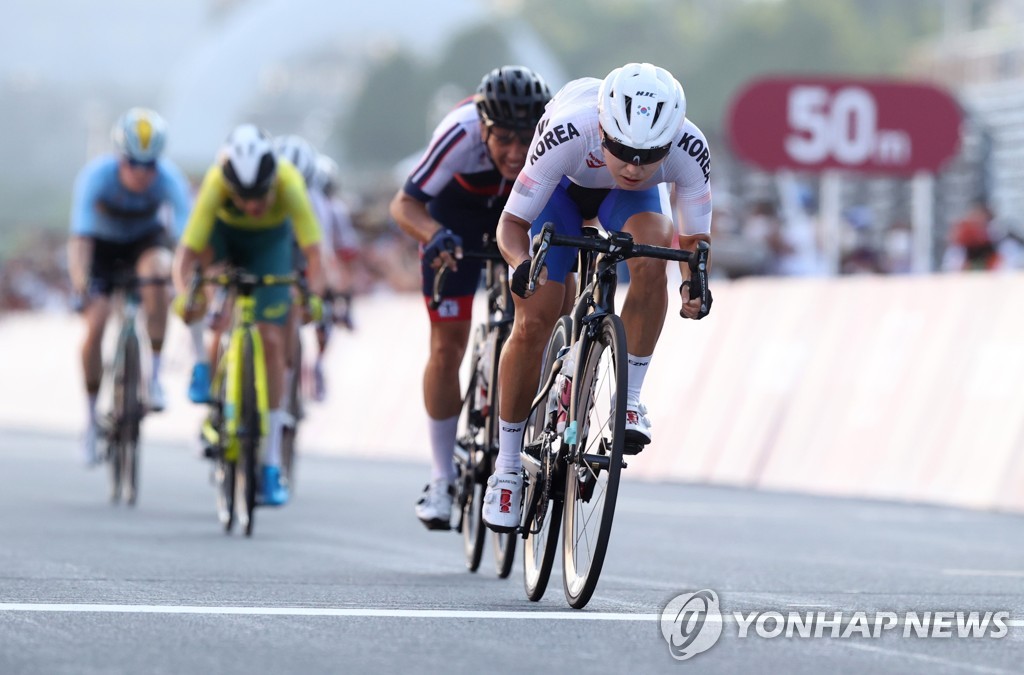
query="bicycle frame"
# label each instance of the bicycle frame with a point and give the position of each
(229, 374)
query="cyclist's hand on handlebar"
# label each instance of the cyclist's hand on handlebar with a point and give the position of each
(691, 306)
(342, 310)
(313, 311)
(521, 279)
(180, 306)
(443, 249)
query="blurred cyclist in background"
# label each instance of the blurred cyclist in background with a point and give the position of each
(116, 224)
(603, 149)
(341, 246)
(250, 206)
(452, 198)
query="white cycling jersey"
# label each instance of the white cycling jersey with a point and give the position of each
(568, 143)
(337, 231)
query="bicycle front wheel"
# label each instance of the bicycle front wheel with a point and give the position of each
(224, 473)
(595, 462)
(544, 513)
(245, 477)
(504, 543)
(471, 461)
(130, 421)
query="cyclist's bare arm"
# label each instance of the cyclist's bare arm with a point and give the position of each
(412, 216)
(688, 242)
(513, 239)
(182, 268)
(315, 268)
(79, 257)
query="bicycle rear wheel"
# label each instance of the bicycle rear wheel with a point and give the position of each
(245, 474)
(543, 510)
(592, 474)
(130, 421)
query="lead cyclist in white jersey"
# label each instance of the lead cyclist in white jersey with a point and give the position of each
(601, 150)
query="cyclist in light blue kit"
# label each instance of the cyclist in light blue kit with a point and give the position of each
(117, 221)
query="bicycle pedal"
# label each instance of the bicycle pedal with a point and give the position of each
(633, 448)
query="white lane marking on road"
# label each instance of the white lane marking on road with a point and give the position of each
(969, 667)
(984, 573)
(325, 611)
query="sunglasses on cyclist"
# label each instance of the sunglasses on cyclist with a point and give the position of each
(137, 164)
(253, 195)
(635, 156)
(506, 137)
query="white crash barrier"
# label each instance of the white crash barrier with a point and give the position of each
(905, 388)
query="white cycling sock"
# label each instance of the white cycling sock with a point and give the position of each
(90, 409)
(510, 443)
(637, 372)
(442, 445)
(197, 331)
(155, 362)
(276, 419)
(286, 395)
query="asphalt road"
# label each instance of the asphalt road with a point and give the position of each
(345, 580)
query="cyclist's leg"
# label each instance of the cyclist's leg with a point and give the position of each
(105, 258)
(643, 312)
(450, 326)
(154, 260)
(205, 353)
(270, 252)
(519, 367)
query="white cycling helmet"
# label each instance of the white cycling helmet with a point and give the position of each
(248, 161)
(327, 174)
(641, 107)
(140, 135)
(299, 152)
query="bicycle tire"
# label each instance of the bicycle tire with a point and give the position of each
(118, 413)
(224, 471)
(592, 474)
(131, 421)
(503, 543)
(290, 433)
(245, 476)
(471, 486)
(224, 475)
(540, 543)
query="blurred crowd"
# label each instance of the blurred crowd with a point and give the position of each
(34, 276)
(760, 238)
(764, 238)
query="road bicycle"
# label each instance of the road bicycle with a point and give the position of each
(477, 437)
(239, 399)
(123, 422)
(574, 442)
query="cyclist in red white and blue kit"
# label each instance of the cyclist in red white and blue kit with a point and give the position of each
(450, 201)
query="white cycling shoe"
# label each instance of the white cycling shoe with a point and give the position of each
(638, 426)
(434, 509)
(157, 400)
(503, 501)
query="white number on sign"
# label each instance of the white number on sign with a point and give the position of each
(843, 126)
